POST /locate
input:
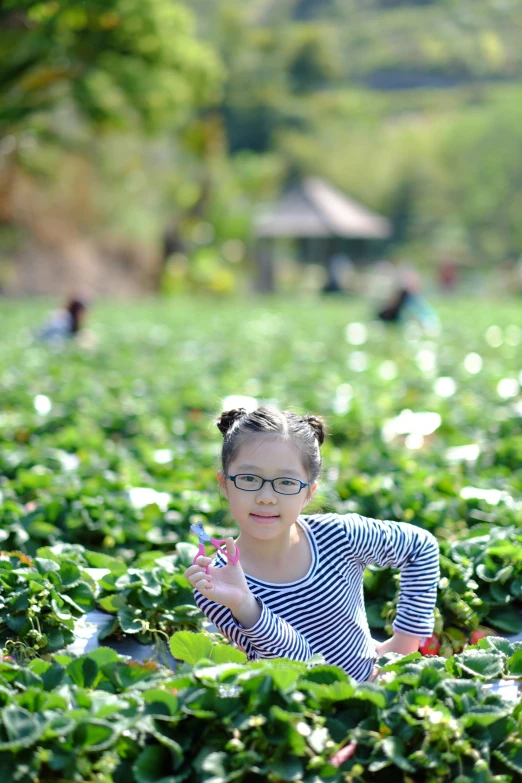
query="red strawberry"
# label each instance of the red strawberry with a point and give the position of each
(431, 646)
(476, 635)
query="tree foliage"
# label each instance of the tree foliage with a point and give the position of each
(117, 62)
(410, 106)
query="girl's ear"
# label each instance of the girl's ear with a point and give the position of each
(311, 490)
(222, 482)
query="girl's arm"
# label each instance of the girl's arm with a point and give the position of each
(225, 597)
(269, 637)
(415, 552)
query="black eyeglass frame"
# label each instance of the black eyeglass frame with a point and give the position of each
(269, 481)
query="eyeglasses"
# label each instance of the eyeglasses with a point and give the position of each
(282, 485)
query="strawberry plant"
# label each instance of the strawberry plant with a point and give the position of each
(39, 601)
(151, 601)
(101, 469)
(98, 717)
(493, 561)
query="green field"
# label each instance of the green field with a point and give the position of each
(89, 434)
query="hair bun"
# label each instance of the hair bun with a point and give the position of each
(318, 427)
(227, 419)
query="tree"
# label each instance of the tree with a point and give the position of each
(117, 62)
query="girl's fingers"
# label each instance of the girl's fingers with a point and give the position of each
(231, 547)
(194, 569)
(199, 578)
(203, 584)
(191, 571)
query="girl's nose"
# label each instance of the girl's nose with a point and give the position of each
(267, 492)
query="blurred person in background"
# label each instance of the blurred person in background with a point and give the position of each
(340, 274)
(65, 323)
(408, 302)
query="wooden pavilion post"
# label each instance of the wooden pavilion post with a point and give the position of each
(265, 265)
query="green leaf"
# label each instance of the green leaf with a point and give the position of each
(485, 714)
(373, 615)
(151, 584)
(109, 629)
(80, 671)
(94, 735)
(18, 623)
(100, 560)
(61, 614)
(510, 752)
(39, 529)
(112, 603)
(59, 726)
(325, 674)
(514, 664)
(481, 663)
(19, 602)
(70, 574)
(160, 702)
(152, 764)
(108, 582)
(287, 769)
(394, 748)
(53, 676)
(83, 672)
(21, 728)
(190, 647)
(82, 595)
(103, 656)
(225, 653)
(373, 693)
(128, 621)
(56, 639)
(45, 566)
(338, 691)
(505, 618)
(284, 677)
(496, 643)
(186, 552)
(123, 675)
(498, 575)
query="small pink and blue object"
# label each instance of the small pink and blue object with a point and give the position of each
(204, 538)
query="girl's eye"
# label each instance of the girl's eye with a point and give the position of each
(289, 483)
(249, 479)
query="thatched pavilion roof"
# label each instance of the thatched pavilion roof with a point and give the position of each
(314, 208)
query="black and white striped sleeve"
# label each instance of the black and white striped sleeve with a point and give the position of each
(269, 637)
(411, 549)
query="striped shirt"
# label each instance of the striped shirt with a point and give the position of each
(323, 612)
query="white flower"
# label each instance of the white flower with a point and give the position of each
(434, 716)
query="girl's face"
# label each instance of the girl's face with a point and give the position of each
(264, 513)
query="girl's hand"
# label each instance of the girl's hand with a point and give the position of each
(377, 646)
(400, 643)
(374, 674)
(226, 585)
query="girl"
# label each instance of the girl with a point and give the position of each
(298, 589)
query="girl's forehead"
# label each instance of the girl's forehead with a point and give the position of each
(270, 451)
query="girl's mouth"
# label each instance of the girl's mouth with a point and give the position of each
(264, 520)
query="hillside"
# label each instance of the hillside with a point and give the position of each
(394, 44)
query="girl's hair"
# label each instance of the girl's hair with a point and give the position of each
(238, 426)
